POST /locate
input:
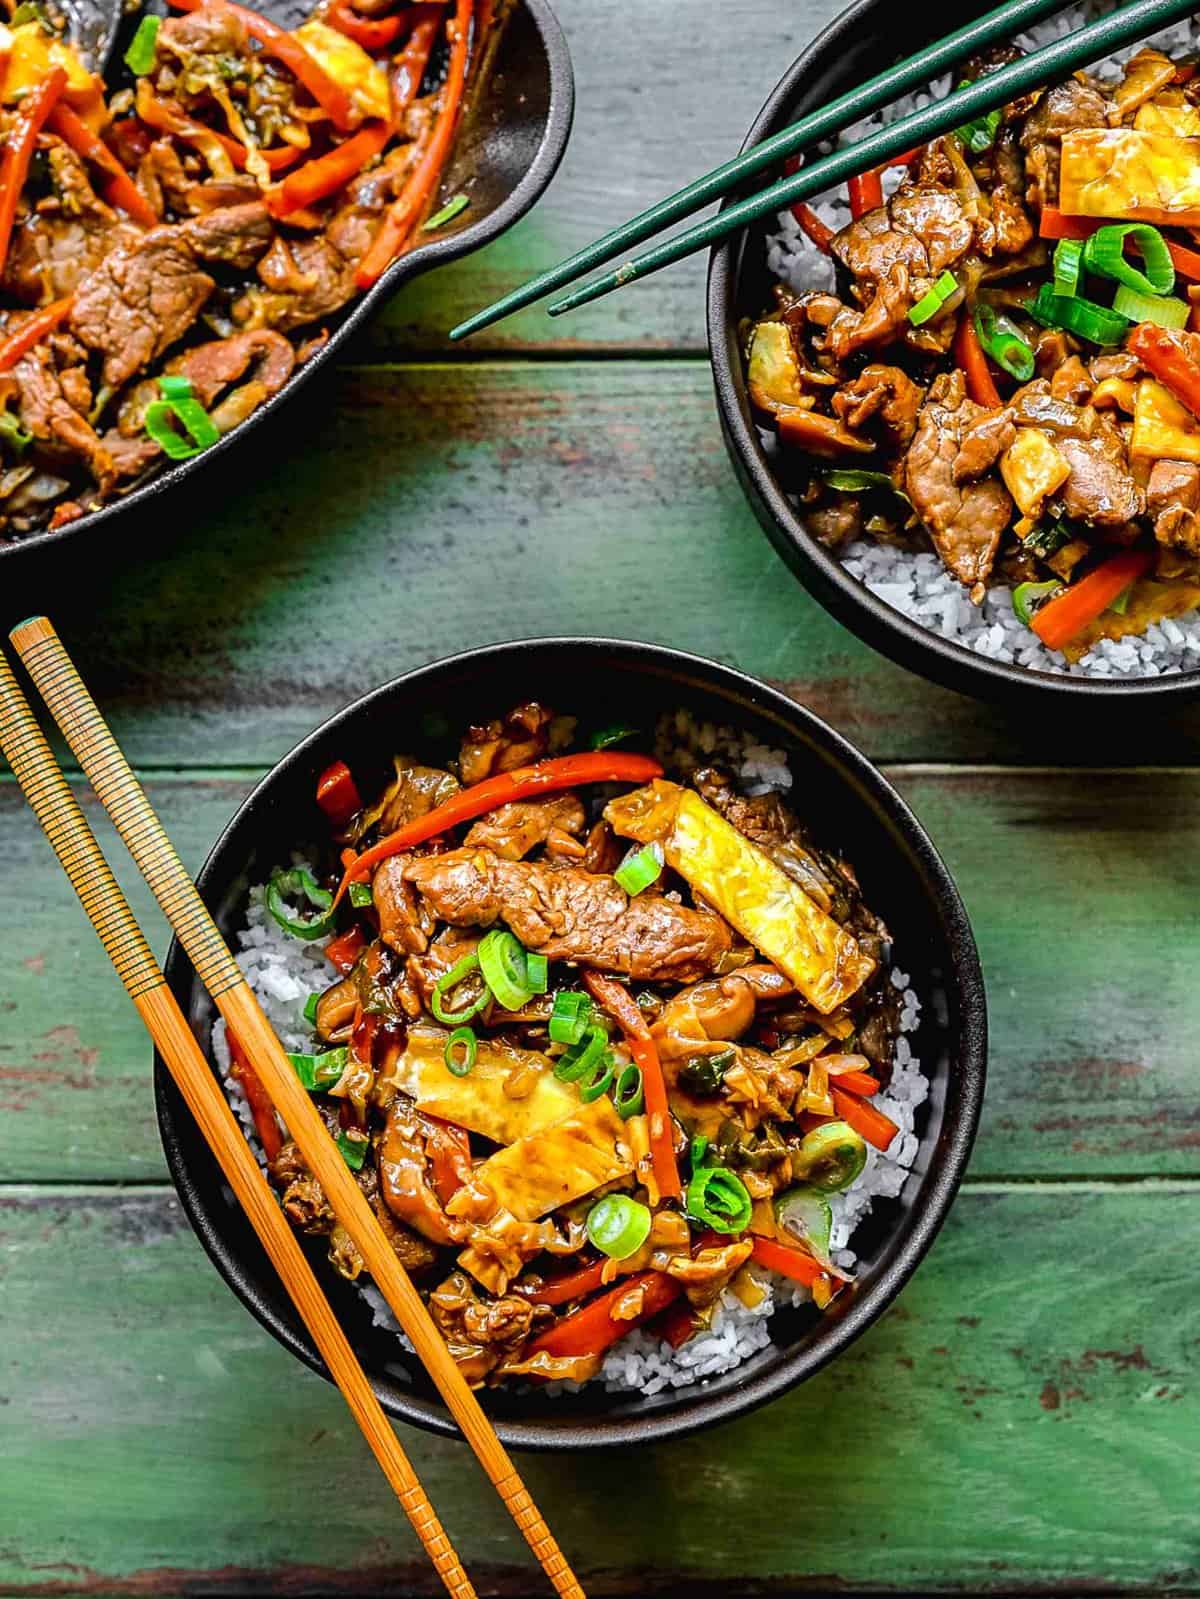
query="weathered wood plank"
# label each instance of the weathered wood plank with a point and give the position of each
(649, 117)
(1025, 1418)
(1085, 939)
(410, 512)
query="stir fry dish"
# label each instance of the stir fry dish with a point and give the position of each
(172, 251)
(1008, 370)
(597, 1042)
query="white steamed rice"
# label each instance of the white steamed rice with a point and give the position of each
(917, 584)
(283, 972)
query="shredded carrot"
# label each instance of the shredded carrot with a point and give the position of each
(122, 190)
(874, 1126)
(592, 1328)
(402, 218)
(861, 1083)
(408, 69)
(968, 352)
(373, 33)
(1065, 617)
(318, 179)
(18, 151)
(33, 330)
(619, 1003)
(566, 1286)
(266, 1123)
(794, 1263)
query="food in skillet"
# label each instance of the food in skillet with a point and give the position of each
(997, 386)
(604, 1045)
(171, 251)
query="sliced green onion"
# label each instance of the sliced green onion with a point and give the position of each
(318, 1073)
(354, 1149)
(629, 1095)
(703, 1074)
(597, 1081)
(717, 1198)
(610, 735)
(830, 1158)
(1003, 341)
(450, 210)
(640, 868)
(174, 386)
(1104, 254)
(310, 1007)
(1025, 598)
(1121, 604)
(30, 11)
(851, 480)
(461, 1039)
(139, 58)
(300, 884)
(806, 1214)
(537, 972)
(571, 1014)
(502, 958)
(698, 1151)
(930, 304)
(618, 1226)
(1077, 315)
(450, 980)
(360, 895)
(191, 416)
(1166, 311)
(1068, 265)
(577, 1061)
(1048, 540)
(979, 134)
(13, 433)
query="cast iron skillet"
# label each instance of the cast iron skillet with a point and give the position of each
(848, 803)
(507, 150)
(867, 37)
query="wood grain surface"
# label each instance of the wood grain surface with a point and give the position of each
(1026, 1418)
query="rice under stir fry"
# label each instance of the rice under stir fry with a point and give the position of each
(981, 378)
(613, 1045)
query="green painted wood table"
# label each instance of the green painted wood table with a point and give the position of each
(1027, 1417)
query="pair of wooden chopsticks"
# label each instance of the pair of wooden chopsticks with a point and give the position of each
(48, 792)
(987, 93)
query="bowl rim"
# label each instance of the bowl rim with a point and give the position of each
(878, 624)
(438, 252)
(696, 1409)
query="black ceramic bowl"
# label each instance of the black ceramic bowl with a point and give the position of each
(848, 803)
(507, 150)
(867, 37)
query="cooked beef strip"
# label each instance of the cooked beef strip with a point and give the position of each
(513, 830)
(57, 244)
(965, 518)
(567, 914)
(1101, 489)
(1065, 106)
(405, 923)
(500, 745)
(46, 409)
(883, 392)
(1173, 500)
(215, 366)
(836, 521)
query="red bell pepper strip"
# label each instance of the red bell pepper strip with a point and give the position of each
(968, 353)
(122, 190)
(18, 151)
(800, 1266)
(544, 777)
(874, 1126)
(337, 794)
(592, 1328)
(449, 1151)
(266, 1123)
(402, 217)
(619, 1003)
(1163, 353)
(861, 1083)
(373, 33)
(285, 47)
(318, 179)
(566, 1286)
(866, 193)
(342, 952)
(677, 1324)
(821, 234)
(1066, 616)
(408, 69)
(33, 330)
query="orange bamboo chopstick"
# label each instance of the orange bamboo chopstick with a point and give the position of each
(122, 796)
(64, 824)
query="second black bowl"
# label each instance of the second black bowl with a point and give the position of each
(849, 805)
(867, 37)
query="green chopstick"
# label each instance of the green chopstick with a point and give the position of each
(993, 26)
(1058, 59)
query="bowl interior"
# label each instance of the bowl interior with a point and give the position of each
(868, 37)
(510, 141)
(846, 802)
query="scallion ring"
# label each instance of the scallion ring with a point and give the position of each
(462, 1038)
(1002, 340)
(537, 972)
(717, 1198)
(928, 306)
(629, 1094)
(1026, 598)
(1077, 315)
(310, 1008)
(353, 1149)
(1163, 310)
(574, 1065)
(140, 56)
(361, 896)
(300, 884)
(605, 736)
(618, 1226)
(1068, 265)
(1104, 254)
(570, 1017)
(598, 1080)
(502, 959)
(449, 981)
(179, 405)
(320, 1073)
(640, 868)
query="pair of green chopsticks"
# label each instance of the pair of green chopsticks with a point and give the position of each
(988, 93)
